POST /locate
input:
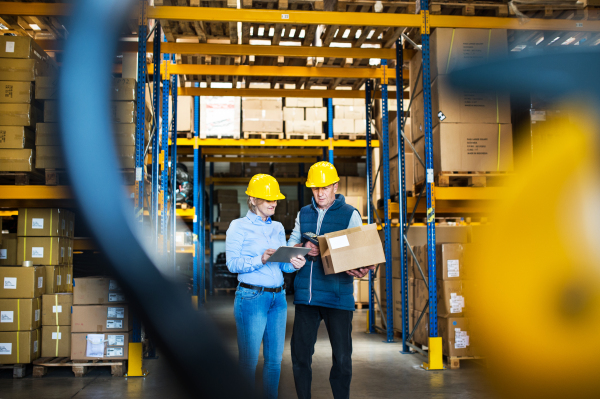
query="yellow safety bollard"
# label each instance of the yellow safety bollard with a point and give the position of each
(436, 361)
(195, 301)
(134, 363)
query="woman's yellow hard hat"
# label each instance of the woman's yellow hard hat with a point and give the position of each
(264, 187)
(322, 174)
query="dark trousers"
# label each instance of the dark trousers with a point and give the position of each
(304, 336)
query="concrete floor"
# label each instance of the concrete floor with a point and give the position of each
(379, 371)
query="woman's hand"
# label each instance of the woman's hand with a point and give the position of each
(267, 255)
(298, 262)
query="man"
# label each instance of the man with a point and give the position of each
(323, 297)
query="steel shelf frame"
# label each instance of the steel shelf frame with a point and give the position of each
(211, 217)
(154, 136)
(164, 177)
(370, 209)
(173, 168)
(197, 203)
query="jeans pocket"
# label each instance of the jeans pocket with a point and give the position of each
(246, 293)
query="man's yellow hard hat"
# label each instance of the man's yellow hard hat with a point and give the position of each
(264, 187)
(322, 174)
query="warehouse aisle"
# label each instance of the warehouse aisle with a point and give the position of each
(380, 371)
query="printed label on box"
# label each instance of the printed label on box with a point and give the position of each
(7, 316)
(35, 346)
(3, 253)
(339, 242)
(113, 286)
(94, 346)
(68, 279)
(57, 309)
(116, 313)
(116, 340)
(457, 303)
(56, 335)
(461, 339)
(40, 282)
(62, 252)
(5, 348)
(58, 279)
(37, 314)
(10, 283)
(37, 223)
(37, 252)
(114, 297)
(113, 352)
(10, 47)
(70, 252)
(114, 323)
(453, 268)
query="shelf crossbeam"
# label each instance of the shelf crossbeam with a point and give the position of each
(181, 142)
(197, 91)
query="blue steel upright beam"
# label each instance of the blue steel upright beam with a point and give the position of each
(202, 237)
(402, 179)
(211, 203)
(369, 162)
(330, 128)
(197, 213)
(156, 127)
(164, 179)
(174, 170)
(140, 122)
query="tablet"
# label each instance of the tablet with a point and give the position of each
(284, 254)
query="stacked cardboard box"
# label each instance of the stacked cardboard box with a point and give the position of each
(45, 237)
(409, 160)
(354, 189)
(56, 325)
(304, 116)
(20, 313)
(286, 213)
(472, 129)
(349, 116)
(8, 250)
(261, 115)
(219, 117)
(255, 168)
(185, 113)
(229, 208)
(100, 321)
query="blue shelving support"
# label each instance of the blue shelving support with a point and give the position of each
(369, 162)
(164, 178)
(300, 186)
(386, 199)
(140, 125)
(173, 170)
(402, 179)
(330, 128)
(197, 213)
(156, 127)
(211, 203)
(202, 236)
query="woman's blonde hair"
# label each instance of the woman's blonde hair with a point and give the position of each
(251, 206)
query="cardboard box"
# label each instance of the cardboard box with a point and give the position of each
(16, 92)
(349, 112)
(293, 207)
(20, 47)
(356, 202)
(393, 137)
(254, 168)
(22, 282)
(46, 88)
(46, 134)
(116, 346)
(316, 114)
(293, 114)
(16, 137)
(361, 290)
(229, 207)
(342, 186)
(220, 116)
(456, 333)
(449, 262)
(124, 134)
(100, 318)
(351, 248)
(125, 90)
(357, 187)
(20, 347)
(96, 291)
(69, 279)
(228, 196)
(303, 102)
(347, 168)
(21, 69)
(304, 127)
(8, 250)
(122, 111)
(251, 103)
(42, 251)
(409, 174)
(343, 126)
(53, 279)
(262, 126)
(417, 235)
(263, 114)
(360, 126)
(19, 115)
(49, 157)
(51, 111)
(126, 156)
(56, 341)
(342, 101)
(271, 103)
(56, 309)
(417, 116)
(20, 314)
(15, 160)
(40, 222)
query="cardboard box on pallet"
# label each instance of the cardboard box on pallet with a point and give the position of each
(343, 126)
(96, 291)
(100, 318)
(42, 251)
(16, 137)
(47, 134)
(361, 290)
(21, 69)
(41, 222)
(21, 47)
(262, 126)
(417, 235)
(53, 279)
(264, 114)
(20, 314)
(16, 92)
(16, 160)
(316, 114)
(294, 114)
(8, 250)
(108, 346)
(123, 111)
(20, 347)
(449, 260)
(50, 111)
(228, 196)
(409, 174)
(303, 127)
(456, 333)
(46, 88)
(220, 116)
(124, 90)
(300, 102)
(22, 282)
(450, 296)
(56, 309)
(56, 341)
(357, 187)
(19, 115)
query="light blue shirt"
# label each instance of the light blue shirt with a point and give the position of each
(296, 236)
(247, 239)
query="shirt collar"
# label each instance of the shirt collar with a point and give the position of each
(255, 219)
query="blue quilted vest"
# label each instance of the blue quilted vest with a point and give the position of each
(312, 286)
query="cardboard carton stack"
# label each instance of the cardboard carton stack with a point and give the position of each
(45, 237)
(255, 168)
(304, 116)
(100, 321)
(185, 113)
(261, 115)
(361, 290)
(22, 61)
(349, 116)
(20, 313)
(472, 130)
(229, 208)
(8, 249)
(286, 213)
(56, 325)
(409, 160)
(354, 189)
(219, 117)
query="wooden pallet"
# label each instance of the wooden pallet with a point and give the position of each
(220, 136)
(79, 367)
(469, 8)
(305, 136)
(471, 179)
(22, 178)
(264, 136)
(19, 370)
(362, 305)
(349, 136)
(454, 361)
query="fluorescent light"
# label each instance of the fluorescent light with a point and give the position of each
(338, 44)
(292, 32)
(261, 30)
(259, 42)
(358, 33)
(252, 31)
(374, 61)
(3, 27)
(271, 31)
(568, 41)
(283, 32)
(541, 39)
(302, 33)
(346, 34)
(370, 34)
(221, 85)
(520, 47)
(35, 27)
(291, 44)
(553, 40)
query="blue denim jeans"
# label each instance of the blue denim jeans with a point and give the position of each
(261, 317)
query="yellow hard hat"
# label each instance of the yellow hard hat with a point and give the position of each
(264, 187)
(322, 174)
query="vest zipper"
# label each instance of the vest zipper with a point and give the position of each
(310, 284)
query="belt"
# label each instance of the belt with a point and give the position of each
(258, 288)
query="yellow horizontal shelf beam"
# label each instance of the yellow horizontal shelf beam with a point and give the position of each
(198, 91)
(316, 152)
(262, 159)
(280, 71)
(84, 244)
(275, 143)
(226, 181)
(35, 192)
(8, 213)
(457, 200)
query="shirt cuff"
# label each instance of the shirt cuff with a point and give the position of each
(257, 262)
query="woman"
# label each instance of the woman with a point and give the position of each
(260, 306)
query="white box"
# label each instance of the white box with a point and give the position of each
(350, 112)
(262, 126)
(305, 127)
(343, 126)
(263, 114)
(303, 102)
(343, 101)
(219, 116)
(316, 114)
(360, 126)
(293, 114)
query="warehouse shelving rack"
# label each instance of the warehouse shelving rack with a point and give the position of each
(445, 199)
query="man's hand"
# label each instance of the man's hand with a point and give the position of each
(314, 248)
(360, 273)
(267, 255)
(298, 262)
